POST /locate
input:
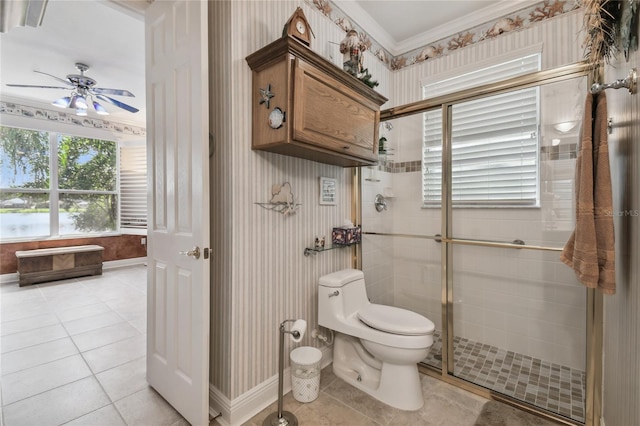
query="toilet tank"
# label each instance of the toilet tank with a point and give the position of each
(351, 296)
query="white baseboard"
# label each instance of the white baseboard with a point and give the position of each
(241, 409)
(9, 278)
(124, 262)
(13, 278)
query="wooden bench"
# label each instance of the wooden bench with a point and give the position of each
(50, 264)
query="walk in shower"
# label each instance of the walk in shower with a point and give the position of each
(476, 247)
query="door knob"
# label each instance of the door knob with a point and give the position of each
(194, 252)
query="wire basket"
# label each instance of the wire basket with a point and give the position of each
(305, 373)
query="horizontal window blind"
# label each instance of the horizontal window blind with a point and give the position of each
(133, 187)
(494, 141)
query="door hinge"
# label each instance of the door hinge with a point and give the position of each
(206, 253)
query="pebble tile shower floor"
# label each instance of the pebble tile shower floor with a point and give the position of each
(553, 387)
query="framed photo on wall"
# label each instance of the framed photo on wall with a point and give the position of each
(327, 191)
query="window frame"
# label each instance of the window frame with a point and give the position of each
(54, 191)
(535, 58)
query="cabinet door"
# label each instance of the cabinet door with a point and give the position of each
(330, 115)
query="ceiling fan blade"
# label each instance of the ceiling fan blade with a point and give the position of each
(117, 92)
(38, 87)
(67, 82)
(117, 103)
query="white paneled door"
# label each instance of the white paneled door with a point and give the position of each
(178, 257)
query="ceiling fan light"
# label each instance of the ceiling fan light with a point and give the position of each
(62, 102)
(99, 109)
(81, 112)
(81, 102)
(78, 102)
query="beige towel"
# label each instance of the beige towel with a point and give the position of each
(590, 249)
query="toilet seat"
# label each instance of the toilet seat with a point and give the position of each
(390, 319)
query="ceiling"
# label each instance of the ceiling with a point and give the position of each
(96, 33)
(110, 39)
(417, 17)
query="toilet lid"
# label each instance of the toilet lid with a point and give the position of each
(395, 320)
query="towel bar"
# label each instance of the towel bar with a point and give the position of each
(630, 82)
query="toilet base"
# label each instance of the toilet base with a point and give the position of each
(396, 385)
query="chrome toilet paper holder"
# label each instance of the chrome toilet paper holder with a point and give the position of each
(285, 418)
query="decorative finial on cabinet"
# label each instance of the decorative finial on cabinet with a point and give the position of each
(298, 27)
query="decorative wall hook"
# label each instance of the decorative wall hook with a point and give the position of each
(266, 95)
(282, 200)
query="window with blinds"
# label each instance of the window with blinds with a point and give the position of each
(133, 187)
(495, 150)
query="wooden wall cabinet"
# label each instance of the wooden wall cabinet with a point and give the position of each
(329, 116)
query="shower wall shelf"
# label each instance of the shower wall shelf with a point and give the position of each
(313, 250)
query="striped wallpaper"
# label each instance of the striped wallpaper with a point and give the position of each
(220, 199)
(621, 372)
(259, 274)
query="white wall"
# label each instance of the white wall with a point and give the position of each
(525, 301)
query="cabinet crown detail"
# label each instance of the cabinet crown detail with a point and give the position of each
(327, 115)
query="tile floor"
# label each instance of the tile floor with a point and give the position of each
(73, 352)
(445, 405)
(553, 387)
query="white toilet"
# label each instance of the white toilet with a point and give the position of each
(377, 347)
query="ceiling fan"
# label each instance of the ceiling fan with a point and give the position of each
(83, 91)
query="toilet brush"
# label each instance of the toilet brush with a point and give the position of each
(285, 418)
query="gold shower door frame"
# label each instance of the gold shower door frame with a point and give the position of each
(593, 403)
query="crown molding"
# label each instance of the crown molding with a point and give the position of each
(378, 33)
(365, 21)
(31, 114)
(133, 8)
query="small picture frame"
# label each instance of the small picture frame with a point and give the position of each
(327, 191)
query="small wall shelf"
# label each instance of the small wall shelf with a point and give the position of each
(312, 250)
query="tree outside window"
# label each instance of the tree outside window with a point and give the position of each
(45, 175)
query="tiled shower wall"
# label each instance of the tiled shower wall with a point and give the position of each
(520, 300)
(524, 301)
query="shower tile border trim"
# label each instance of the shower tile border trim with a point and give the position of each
(547, 153)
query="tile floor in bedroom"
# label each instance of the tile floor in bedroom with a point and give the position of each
(73, 352)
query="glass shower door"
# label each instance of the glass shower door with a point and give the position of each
(517, 314)
(401, 259)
